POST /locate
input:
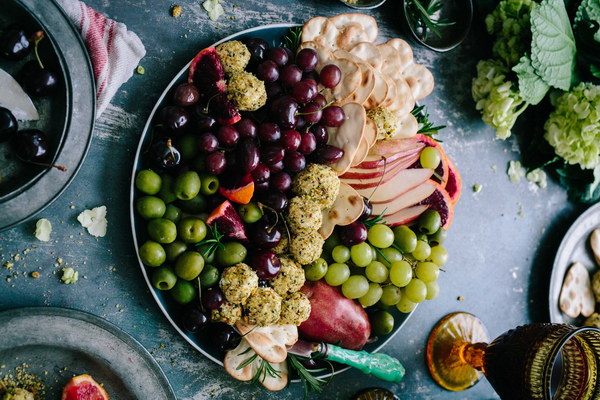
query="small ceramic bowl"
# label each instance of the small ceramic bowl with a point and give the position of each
(459, 11)
(363, 4)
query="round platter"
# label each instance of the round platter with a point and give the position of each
(58, 343)
(67, 117)
(574, 247)
(273, 34)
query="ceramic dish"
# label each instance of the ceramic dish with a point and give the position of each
(272, 34)
(67, 117)
(58, 343)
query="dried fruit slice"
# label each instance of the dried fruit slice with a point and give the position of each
(206, 72)
(454, 183)
(241, 193)
(84, 387)
(223, 109)
(227, 221)
(440, 201)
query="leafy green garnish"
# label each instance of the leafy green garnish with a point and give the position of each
(421, 17)
(293, 38)
(426, 127)
(532, 88)
(309, 381)
(208, 247)
(374, 221)
(552, 43)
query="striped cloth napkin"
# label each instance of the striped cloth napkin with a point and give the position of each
(115, 52)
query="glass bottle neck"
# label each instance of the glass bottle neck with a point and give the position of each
(473, 354)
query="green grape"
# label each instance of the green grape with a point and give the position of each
(400, 273)
(433, 289)
(340, 254)
(422, 237)
(408, 257)
(416, 290)
(438, 237)
(405, 238)
(361, 254)
(382, 322)
(390, 295)
(405, 305)
(332, 241)
(372, 296)
(316, 270)
(380, 235)
(429, 222)
(388, 256)
(376, 272)
(355, 286)
(337, 274)
(422, 251)
(438, 255)
(430, 158)
(427, 271)
(373, 253)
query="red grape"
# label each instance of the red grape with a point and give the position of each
(267, 71)
(278, 55)
(308, 143)
(215, 163)
(261, 173)
(290, 75)
(312, 112)
(285, 110)
(228, 136)
(330, 76)
(207, 142)
(307, 59)
(294, 161)
(247, 128)
(281, 181)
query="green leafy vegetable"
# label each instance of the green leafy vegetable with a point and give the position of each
(552, 43)
(573, 128)
(532, 88)
(588, 10)
(310, 382)
(509, 23)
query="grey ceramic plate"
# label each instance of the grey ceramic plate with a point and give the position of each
(67, 117)
(59, 343)
(202, 340)
(575, 246)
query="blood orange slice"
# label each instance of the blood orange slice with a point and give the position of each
(440, 201)
(454, 183)
(84, 387)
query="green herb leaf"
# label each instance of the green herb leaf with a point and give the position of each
(293, 38)
(595, 71)
(552, 43)
(532, 88)
(309, 382)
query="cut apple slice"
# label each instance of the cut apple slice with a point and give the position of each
(400, 183)
(376, 160)
(361, 174)
(406, 215)
(362, 181)
(409, 198)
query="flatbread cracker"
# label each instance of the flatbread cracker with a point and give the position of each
(368, 23)
(380, 90)
(269, 342)
(348, 136)
(404, 51)
(407, 126)
(368, 52)
(367, 83)
(234, 358)
(346, 209)
(391, 65)
(595, 244)
(420, 80)
(576, 296)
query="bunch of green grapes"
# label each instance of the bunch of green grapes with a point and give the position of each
(393, 267)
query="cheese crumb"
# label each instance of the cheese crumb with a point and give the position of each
(69, 276)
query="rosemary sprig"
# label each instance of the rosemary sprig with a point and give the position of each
(293, 38)
(265, 368)
(426, 127)
(421, 17)
(211, 244)
(310, 382)
(374, 221)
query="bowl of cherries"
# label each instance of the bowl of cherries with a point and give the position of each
(46, 98)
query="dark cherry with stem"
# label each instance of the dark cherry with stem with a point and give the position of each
(8, 124)
(164, 155)
(14, 43)
(35, 78)
(266, 263)
(31, 146)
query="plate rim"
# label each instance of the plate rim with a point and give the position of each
(105, 325)
(132, 193)
(556, 316)
(73, 126)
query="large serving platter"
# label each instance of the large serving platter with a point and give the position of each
(575, 246)
(58, 343)
(273, 34)
(67, 117)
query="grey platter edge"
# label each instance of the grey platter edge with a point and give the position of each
(573, 247)
(80, 124)
(15, 316)
(132, 193)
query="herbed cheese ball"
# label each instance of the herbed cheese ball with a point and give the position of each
(295, 309)
(290, 278)
(307, 247)
(596, 285)
(247, 92)
(234, 56)
(283, 246)
(303, 215)
(319, 183)
(386, 122)
(228, 313)
(238, 282)
(263, 307)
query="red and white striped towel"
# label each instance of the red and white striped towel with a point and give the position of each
(115, 52)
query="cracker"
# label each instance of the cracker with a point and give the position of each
(403, 102)
(361, 153)
(420, 80)
(576, 295)
(351, 80)
(346, 209)
(348, 136)
(370, 132)
(367, 83)
(323, 53)
(407, 126)
(269, 342)
(391, 64)
(404, 51)
(380, 90)
(368, 52)
(368, 23)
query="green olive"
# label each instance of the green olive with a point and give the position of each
(438, 237)
(429, 222)
(148, 181)
(210, 276)
(152, 254)
(196, 205)
(191, 230)
(166, 189)
(187, 185)
(163, 278)
(232, 253)
(250, 213)
(162, 230)
(172, 213)
(150, 207)
(382, 322)
(210, 184)
(187, 147)
(174, 250)
(183, 292)
(189, 265)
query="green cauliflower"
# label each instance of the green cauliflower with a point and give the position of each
(573, 128)
(510, 25)
(496, 97)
